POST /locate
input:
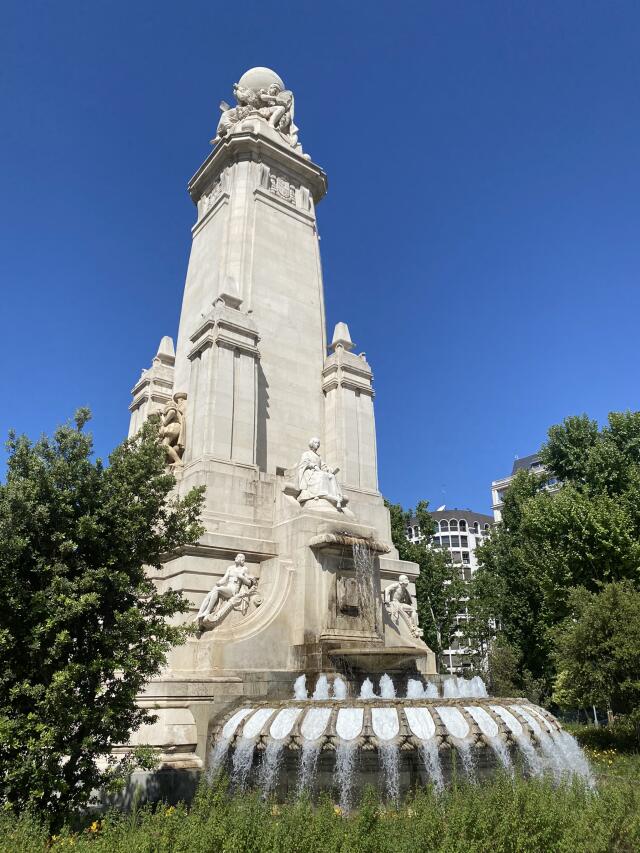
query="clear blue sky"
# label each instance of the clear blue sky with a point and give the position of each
(480, 235)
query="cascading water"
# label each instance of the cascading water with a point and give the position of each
(431, 758)
(464, 751)
(308, 766)
(242, 761)
(417, 726)
(574, 756)
(502, 753)
(218, 757)
(270, 765)
(388, 753)
(364, 564)
(345, 766)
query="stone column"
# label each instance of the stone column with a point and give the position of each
(349, 420)
(154, 387)
(256, 241)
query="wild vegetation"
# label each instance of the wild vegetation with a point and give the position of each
(502, 816)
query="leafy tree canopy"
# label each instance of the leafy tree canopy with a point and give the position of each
(586, 534)
(82, 627)
(597, 650)
(439, 586)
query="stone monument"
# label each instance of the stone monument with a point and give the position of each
(250, 380)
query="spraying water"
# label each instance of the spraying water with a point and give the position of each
(300, 687)
(463, 688)
(366, 691)
(308, 766)
(322, 688)
(387, 688)
(388, 754)
(345, 764)
(339, 688)
(269, 766)
(242, 761)
(431, 691)
(415, 690)
(431, 758)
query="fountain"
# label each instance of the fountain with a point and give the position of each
(395, 742)
(296, 577)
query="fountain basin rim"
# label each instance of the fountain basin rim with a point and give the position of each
(326, 540)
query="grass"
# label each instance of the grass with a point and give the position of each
(501, 815)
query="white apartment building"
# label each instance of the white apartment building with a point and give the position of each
(498, 487)
(460, 531)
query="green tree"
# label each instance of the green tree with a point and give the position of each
(597, 649)
(586, 534)
(82, 626)
(439, 586)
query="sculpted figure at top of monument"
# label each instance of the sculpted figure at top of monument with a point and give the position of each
(260, 92)
(172, 428)
(315, 479)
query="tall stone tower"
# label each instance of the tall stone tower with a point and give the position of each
(250, 384)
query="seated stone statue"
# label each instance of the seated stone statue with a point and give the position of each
(315, 479)
(399, 604)
(230, 588)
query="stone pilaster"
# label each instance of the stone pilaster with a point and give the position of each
(222, 396)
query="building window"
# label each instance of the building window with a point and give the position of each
(456, 556)
(444, 525)
(463, 525)
(445, 541)
(476, 527)
(465, 557)
(455, 541)
(409, 532)
(467, 573)
(464, 541)
(453, 524)
(416, 531)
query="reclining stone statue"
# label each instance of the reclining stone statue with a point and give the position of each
(231, 592)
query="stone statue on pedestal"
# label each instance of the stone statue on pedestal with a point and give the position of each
(231, 592)
(316, 479)
(275, 103)
(172, 428)
(399, 604)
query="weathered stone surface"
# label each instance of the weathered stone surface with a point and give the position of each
(252, 359)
